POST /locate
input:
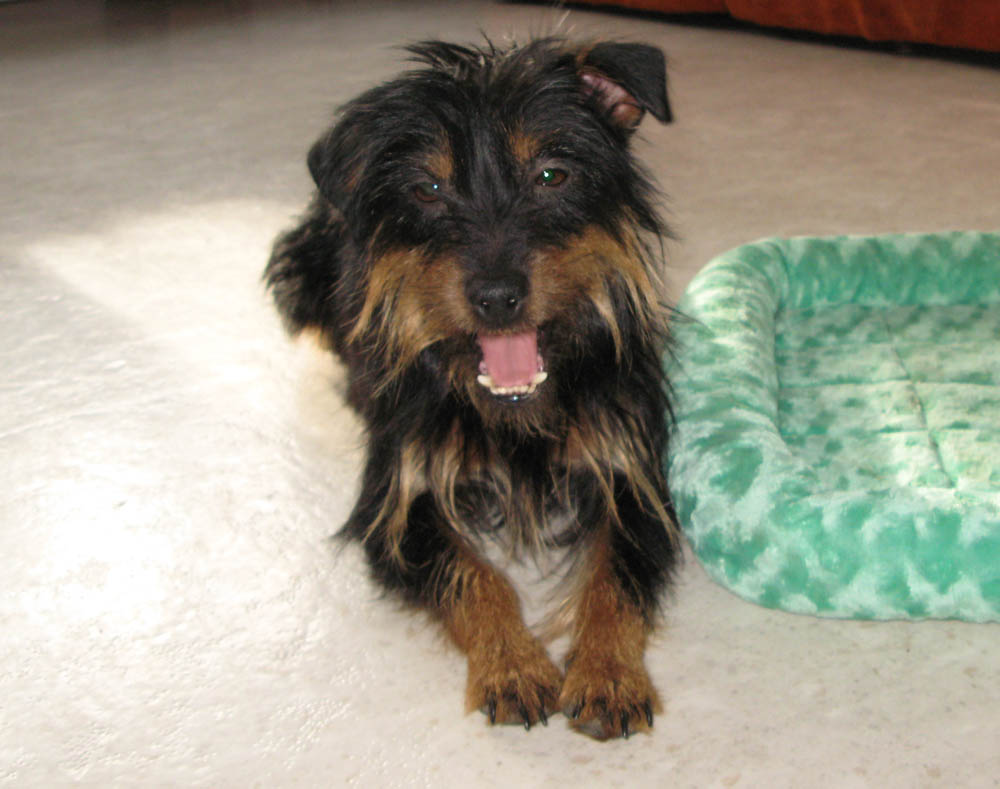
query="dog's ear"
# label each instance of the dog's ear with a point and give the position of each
(336, 160)
(627, 80)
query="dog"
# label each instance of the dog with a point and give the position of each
(484, 255)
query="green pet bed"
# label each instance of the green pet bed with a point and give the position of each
(837, 449)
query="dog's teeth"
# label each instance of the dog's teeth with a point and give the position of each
(485, 380)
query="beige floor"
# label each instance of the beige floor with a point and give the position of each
(170, 613)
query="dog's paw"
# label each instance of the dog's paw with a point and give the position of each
(606, 697)
(513, 685)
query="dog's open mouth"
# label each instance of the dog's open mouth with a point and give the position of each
(511, 367)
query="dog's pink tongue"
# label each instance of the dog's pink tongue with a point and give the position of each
(510, 359)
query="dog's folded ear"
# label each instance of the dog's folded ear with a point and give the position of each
(336, 160)
(627, 80)
(327, 167)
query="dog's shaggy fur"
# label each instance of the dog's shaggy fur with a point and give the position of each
(484, 255)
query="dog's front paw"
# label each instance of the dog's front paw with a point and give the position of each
(513, 684)
(605, 696)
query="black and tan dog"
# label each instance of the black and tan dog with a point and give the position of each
(484, 256)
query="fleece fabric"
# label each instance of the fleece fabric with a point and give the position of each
(837, 447)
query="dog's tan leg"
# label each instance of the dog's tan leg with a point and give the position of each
(511, 677)
(607, 691)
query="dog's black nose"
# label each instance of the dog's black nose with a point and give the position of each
(499, 301)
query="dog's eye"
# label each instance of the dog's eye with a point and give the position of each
(550, 177)
(427, 192)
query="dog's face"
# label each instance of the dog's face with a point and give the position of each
(496, 215)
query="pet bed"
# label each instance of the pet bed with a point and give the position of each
(837, 448)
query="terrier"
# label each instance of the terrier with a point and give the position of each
(484, 255)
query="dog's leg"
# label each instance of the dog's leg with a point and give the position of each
(510, 676)
(607, 691)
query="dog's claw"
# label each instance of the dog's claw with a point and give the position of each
(577, 710)
(624, 722)
(525, 717)
(491, 710)
(542, 716)
(648, 706)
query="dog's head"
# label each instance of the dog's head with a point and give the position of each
(499, 221)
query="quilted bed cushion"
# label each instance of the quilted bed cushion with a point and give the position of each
(837, 449)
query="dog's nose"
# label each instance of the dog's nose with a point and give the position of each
(499, 302)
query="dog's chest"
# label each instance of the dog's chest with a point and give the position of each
(540, 580)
